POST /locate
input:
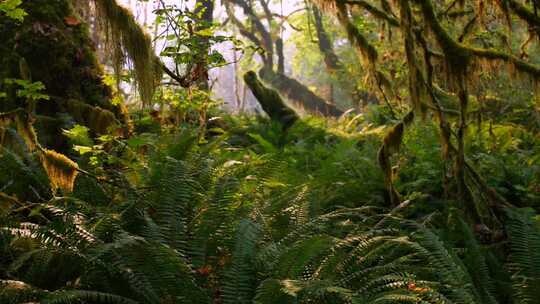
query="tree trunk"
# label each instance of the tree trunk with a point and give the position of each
(331, 60)
(54, 45)
(360, 97)
(290, 88)
(204, 10)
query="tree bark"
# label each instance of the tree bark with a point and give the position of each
(204, 10)
(331, 60)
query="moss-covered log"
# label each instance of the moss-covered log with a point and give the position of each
(299, 94)
(294, 91)
(270, 101)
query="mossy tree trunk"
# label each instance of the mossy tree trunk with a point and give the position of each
(298, 94)
(270, 101)
(204, 9)
(442, 63)
(334, 65)
(55, 47)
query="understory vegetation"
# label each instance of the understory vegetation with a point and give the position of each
(254, 214)
(426, 191)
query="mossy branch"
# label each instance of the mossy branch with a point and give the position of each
(61, 170)
(460, 56)
(374, 11)
(331, 60)
(519, 64)
(532, 19)
(300, 95)
(270, 101)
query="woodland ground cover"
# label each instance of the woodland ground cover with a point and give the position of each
(428, 193)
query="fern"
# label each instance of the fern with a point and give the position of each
(476, 263)
(524, 260)
(78, 296)
(173, 195)
(213, 226)
(272, 291)
(239, 279)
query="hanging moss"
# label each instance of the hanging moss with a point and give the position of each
(391, 144)
(459, 56)
(366, 50)
(456, 55)
(326, 5)
(61, 170)
(358, 40)
(127, 40)
(95, 118)
(26, 131)
(21, 121)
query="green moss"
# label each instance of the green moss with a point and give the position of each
(128, 39)
(270, 101)
(298, 94)
(59, 55)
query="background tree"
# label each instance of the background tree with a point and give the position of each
(267, 38)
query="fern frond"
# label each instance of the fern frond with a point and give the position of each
(239, 280)
(84, 296)
(524, 260)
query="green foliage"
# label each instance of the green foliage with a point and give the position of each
(11, 8)
(524, 258)
(79, 135)
(198, 206)
(252, 214)
(28, 90)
